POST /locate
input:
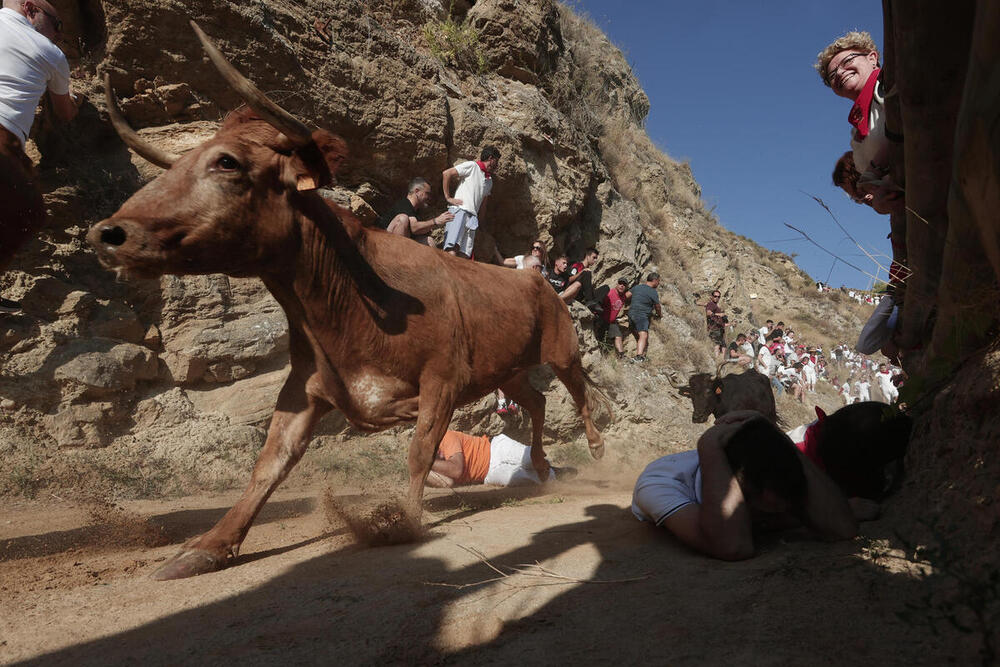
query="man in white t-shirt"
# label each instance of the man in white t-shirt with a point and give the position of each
(885, 384)
(475, 183)
(30, 65)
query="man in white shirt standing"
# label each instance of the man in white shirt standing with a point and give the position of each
(475, 183)
(30, 65)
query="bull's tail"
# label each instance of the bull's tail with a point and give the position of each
(597, 400)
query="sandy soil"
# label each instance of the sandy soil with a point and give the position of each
(75, 588)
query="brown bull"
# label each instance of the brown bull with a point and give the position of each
(381, 328)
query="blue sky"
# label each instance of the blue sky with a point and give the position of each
(732, 90)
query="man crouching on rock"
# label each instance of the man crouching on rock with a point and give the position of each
(745, 471)
(464, 459)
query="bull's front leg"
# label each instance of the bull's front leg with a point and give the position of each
(295, 416)
(437, 403)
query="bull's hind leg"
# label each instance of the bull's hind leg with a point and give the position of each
(519, 389)
(294, 418)
(573, 376)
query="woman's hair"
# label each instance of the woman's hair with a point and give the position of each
(543, 255)
(855, 39)
(845, 175)
(764, 458)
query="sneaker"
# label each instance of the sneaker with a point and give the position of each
(8, 306)
(639, 358)
(502, 410)
(512, 408)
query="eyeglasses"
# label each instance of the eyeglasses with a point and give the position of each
(830, 76)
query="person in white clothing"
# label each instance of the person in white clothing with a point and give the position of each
(30, 65)
(475, 183)
(863, 387)
(885, 385)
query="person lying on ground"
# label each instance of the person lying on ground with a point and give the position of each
(464, 459)
(743, 472)
(401, 218)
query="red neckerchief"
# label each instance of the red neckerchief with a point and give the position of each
(485, 171)
(858, 117)
(810, 446)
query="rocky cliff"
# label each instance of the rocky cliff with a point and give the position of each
(148, 386)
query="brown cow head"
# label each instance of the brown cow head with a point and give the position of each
(228, 205)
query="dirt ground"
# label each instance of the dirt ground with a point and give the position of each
(562, 574)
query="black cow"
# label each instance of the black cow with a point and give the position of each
(721, 394)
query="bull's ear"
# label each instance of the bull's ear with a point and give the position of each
(820, 415)
(717, 387)
(684, 391)
(315, 164)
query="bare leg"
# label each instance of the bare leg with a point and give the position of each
(619, 347)
(643, 342)
(294, 418)
(570, 292)
(519, 389)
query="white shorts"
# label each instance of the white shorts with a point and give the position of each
(510, 464)
(666, 485)
(460, 232)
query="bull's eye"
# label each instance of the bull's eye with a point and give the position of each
(227, 163)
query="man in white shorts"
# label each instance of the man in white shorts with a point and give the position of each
(30, 65)
(464, 459)
(475, 183)
(744, 469)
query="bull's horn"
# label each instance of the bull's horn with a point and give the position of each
(286, 123)
(718, 370)
(131, 138)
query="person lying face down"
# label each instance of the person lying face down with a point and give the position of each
(463, 459)
(743, 471)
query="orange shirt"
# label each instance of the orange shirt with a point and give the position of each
(475, 450)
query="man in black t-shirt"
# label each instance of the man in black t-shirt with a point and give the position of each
(402, 217)
(580, 273)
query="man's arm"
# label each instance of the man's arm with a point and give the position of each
(64, 106)
(425, 226)
(827, 510)
(447, 176)
(452, 467)
(721, 525)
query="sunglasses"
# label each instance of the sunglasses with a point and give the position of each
(537, 247)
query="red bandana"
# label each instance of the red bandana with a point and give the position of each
(859, 112)
(485, 171)
(810, 445)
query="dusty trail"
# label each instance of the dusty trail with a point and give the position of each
(303, 592)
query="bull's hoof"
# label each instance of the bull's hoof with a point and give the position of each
(189, 563)
(597, 451)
